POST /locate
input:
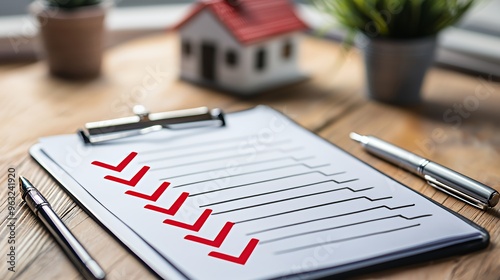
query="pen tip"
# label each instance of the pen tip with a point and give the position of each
(23, 179)
(359, 138)
(24, 185)
(356, 137)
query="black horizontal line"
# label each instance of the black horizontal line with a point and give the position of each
(222, 168)
(342, 226)
(206, 143)
(342, 240)
(270, 180)
(252, 172)
(346, 181)
(211, 151)
(216, 159)
(331, 217)
(282, 190)
(313, 206)
(274, 201)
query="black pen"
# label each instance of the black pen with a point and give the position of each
(75, 251)
(438, 176)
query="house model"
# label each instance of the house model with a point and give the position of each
(241, 46)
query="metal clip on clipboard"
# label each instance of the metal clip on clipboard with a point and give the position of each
(144, 122)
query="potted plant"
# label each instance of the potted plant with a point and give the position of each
(398, 39)
(71, 32)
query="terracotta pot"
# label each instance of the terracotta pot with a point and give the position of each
(72, 39)
(395, 69)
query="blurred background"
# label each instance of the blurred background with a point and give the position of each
(18, 7)
(473, 45)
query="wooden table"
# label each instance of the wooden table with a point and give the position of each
(331, 104)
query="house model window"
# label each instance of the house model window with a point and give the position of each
(186, 48)
(241, 46)
(287, 50)
(231, 58)
(260, 59)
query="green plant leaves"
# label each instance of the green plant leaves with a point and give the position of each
(395, 18)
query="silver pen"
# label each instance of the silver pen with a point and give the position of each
(75, 251)
(438, 176)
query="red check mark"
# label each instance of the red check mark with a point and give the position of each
(242, 258)
(154, 196)
(132, 182)
(217, 242)
(120, 166)
(173, 209)
(194, 227)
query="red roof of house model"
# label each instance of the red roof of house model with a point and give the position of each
(251, 21)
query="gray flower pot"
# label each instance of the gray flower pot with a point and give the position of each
(395, 69)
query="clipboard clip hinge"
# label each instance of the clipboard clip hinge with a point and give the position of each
(455, 193)
(144, 122)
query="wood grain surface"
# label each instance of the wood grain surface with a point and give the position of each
(331, 103)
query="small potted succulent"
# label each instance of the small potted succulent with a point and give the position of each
(72, 34)
(398, 39)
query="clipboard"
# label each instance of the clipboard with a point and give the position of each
(165, 269)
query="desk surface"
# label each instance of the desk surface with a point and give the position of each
(458, 125)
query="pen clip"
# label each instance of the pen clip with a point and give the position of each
(455, 193)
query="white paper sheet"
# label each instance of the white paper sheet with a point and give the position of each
(259, 198)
